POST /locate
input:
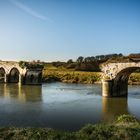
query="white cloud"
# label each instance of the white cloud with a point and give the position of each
(29, 10)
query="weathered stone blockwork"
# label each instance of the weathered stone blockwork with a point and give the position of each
(117, 75)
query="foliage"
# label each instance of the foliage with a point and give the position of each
(30, 65)
(126, 119)
(132, 55)
(71, 65)
(102, 131)
(90, 63)
(58, 64)
(99, 131)
(51, 75)
(134, 78)
(69, 61)
(80, 59)
(22, 64)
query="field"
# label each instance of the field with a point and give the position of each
(53, 74)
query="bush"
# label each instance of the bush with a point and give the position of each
(89, 132)
(126, 119)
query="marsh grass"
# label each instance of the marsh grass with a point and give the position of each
(52, 74)
(134, 78)
(103, 131)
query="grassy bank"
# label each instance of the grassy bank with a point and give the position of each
(134, 79)
(52, 74)
(71, 76)
(125, 127)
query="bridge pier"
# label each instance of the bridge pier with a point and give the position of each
(110, 88)
(21, 79)
(107, 88)
(6, 78)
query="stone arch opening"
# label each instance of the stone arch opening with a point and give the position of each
(29, 77)
(33, 77)
(40, 78)
(13, 76)
(120, 82)
(2, 75)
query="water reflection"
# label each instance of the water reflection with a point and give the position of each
(113, 107)
(62, 106)
(21, 93)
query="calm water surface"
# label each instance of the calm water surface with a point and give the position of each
(62, 106)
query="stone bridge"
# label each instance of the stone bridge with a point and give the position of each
(115, 78)
(12, 72)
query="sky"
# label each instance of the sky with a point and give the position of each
(58, 30)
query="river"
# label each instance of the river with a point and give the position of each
(62, 106)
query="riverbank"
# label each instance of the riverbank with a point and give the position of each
(63, 75)
(124, 127)
(71, 76)
(134, 79)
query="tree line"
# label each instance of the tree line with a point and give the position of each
(86, 63)
(92, 63)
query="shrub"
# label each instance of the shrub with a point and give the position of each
(126, 119)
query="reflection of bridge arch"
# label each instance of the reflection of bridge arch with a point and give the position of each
(13, 76)
(2, 75)
(116, 75)
(23, 93)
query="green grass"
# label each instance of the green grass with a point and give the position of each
(102, 131)
(52, 73)
(134, 78)
(126, 119)
(71, 76)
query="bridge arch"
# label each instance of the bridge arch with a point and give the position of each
(13, 76)
(2, 75)
(120, 82)
(33, 77)
(15, 72)
(116, 76)
(40, 77)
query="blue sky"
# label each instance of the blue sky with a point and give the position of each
(52, 30)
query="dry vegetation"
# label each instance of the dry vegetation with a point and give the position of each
(53, 74)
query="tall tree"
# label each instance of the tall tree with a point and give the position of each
(80, 59)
